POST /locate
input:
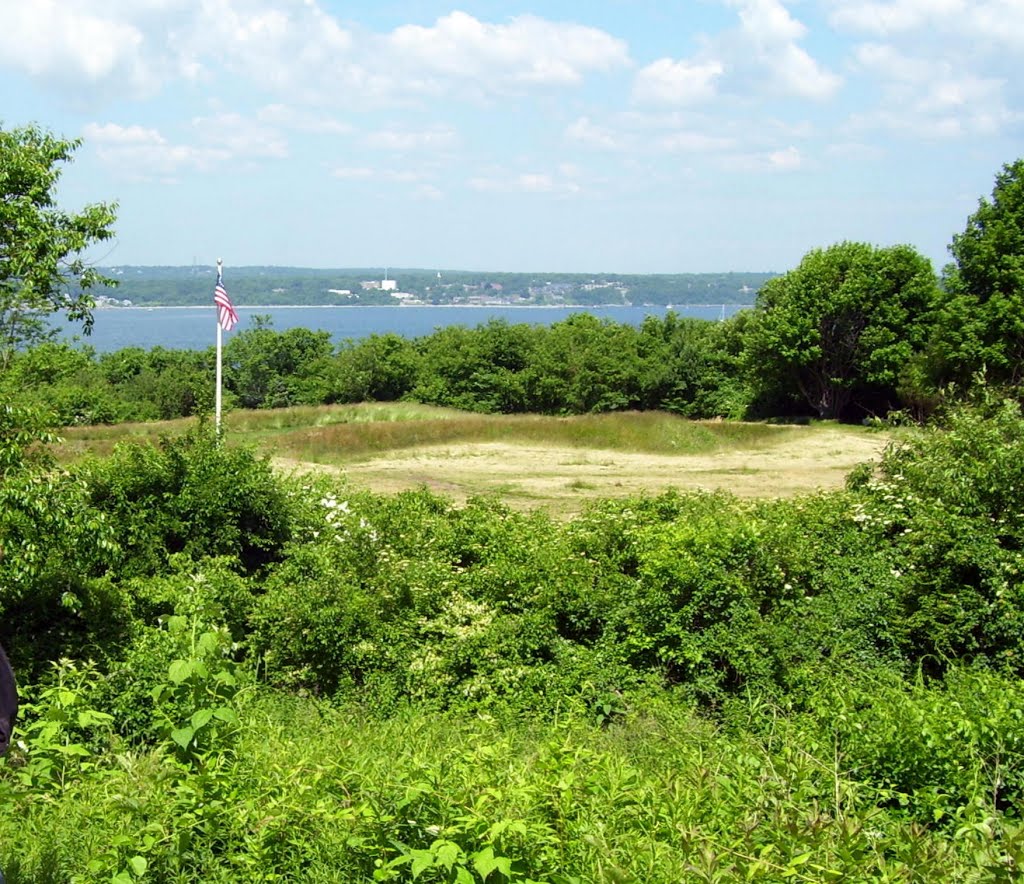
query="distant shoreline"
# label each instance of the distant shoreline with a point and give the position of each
(210, 306)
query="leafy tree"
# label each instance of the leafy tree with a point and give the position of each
(585, 364)
(981, 323)
(264, 368)
(42, 264)
(840, 328)
(381, 368)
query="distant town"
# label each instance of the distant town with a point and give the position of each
(278, 286)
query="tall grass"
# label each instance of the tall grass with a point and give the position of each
(341, 434)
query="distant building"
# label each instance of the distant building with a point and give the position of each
(389, 285)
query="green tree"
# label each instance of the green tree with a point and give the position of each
(265, 368)
(839, 329)
(43, 268)
(981, 322)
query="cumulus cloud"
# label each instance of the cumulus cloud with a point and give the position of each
(138, 152)
(768, 38)
(295, 48)
(929, 96)
(762, 53)
(527, 50)
(999, 22)
(141, 153)
(74, 45)
(666, 81)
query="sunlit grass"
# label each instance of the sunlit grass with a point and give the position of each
(342, 434)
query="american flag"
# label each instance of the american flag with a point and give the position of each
(226, 315)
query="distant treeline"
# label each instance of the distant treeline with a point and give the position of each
(186, 286)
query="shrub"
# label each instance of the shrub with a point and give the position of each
(190, 495)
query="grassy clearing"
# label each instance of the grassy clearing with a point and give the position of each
(529, 461)
(341, 434)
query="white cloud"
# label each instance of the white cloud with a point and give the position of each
(494, 57)
(302, 120)
(691, 142)
(1000, 22)
(889, 18)
(293, 48)
(240, 137)
(437, 138)
(931, 97)
(285, 47)
(352, 173)
(666, 81)
(788, 159)
(762, 54)
(558, 183)
(585, 131)
(766, 44)
(140, 153)
(72, 46)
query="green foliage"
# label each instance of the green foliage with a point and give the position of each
(62, 734)
(380, 368)
(190, 495)
(948, 501)
(268, 369)
(841, 327)
(981, 320)
(55, 553)
(42, 271)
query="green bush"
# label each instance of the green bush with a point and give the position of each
(191, 495)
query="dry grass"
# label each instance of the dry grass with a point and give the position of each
(559, 464)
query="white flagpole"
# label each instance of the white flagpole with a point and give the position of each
(220, 270)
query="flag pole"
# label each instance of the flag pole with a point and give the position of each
(220, 271)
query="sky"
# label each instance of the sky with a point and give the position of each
(615, 136)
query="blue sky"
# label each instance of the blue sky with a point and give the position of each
(608, 136)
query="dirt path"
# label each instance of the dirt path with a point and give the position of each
(563, 479)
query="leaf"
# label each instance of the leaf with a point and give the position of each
(179, 670)
(447, 853)
(201, 718)
(421, 861)
(183, 736)
(139, 865)
(484, 862)
(226, 714)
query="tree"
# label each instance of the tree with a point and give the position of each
(981, 321)
(839, 329)
(43, 268)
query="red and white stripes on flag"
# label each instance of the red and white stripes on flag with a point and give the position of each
(227, 318)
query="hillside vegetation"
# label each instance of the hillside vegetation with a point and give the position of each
(232, 671)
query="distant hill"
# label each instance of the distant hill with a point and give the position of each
(275, 286)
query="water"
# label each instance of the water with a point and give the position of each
(194, 328)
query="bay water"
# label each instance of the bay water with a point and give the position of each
(194, 328)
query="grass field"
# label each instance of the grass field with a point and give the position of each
(558, 463)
